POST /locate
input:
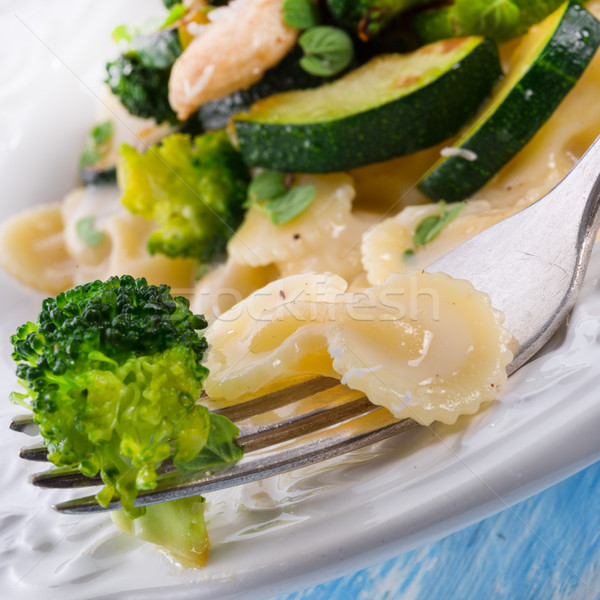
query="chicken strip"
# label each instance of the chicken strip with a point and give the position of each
(230, 54)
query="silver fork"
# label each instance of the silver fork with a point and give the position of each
(532, 265)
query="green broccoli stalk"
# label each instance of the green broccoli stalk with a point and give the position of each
(112, 372)
(176, 526)
(140, 76)
(194, 189)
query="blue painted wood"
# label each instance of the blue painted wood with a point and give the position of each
(545, 548)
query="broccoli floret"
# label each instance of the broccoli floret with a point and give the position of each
(112, 372)
(143, 92)
(171, 3)
(194, 189)
(140, 76)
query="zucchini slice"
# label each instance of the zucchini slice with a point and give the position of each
(550, 60)
(283, 77)
(99, 173)
(395, 104)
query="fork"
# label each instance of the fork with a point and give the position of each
(531, 264)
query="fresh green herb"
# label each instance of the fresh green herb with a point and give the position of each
(177, 11)
(294, 202)
(431, 226)
(327, 50)
(97, 144)
(494, 18)
(500, 20)
(301, 14)
(87, 232)
(101, 134)
(269, 184)
(89, 156)
(124, 33)
(272, 194)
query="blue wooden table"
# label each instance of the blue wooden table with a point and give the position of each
(545, 548)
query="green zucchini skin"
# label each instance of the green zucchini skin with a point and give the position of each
(98, 176)
(522, 113)
(419, 120)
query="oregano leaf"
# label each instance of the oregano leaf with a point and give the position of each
(294, 202)
(327, 50)
(87, 232)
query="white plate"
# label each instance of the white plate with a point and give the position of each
(295, 530)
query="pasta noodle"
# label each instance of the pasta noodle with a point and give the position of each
(323, 238)
(391, 342)
(43, 249)
(384, 246)
(33, 249)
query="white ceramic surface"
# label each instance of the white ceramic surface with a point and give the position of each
(287, 532)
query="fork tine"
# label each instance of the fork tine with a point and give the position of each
(37, 452)
(298, 391)
(324, 444)
(336, 405)
(262, 404)
(63, 477)
(324, 409)
(67, 477)
(294, 393)
(24, 424)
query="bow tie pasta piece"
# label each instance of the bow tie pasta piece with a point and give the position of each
(95, 205)
(226, 284)
(384, 247)
(425, 346)
(277, 333)
(86, 237)
(32, 249)
(124, 241)
(324, 238)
